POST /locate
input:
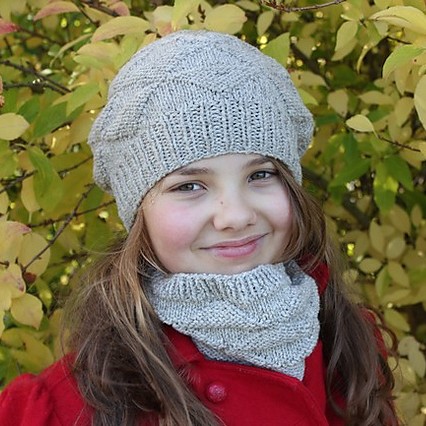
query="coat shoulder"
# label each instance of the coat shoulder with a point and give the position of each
(49, 399)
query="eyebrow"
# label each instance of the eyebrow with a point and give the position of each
(190, 170)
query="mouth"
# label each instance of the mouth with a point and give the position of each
(236, 248)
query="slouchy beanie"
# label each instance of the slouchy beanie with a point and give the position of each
(189, 96)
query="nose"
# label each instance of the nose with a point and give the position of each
(234, 212)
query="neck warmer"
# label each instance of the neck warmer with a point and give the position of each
(266, 317)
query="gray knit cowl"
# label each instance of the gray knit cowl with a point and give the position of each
(266, 317)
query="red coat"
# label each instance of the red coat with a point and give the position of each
(240, 395)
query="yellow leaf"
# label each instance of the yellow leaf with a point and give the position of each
(27, 310)
(344, 51)
(306, 78)
(377, 237)
(361, 245)
(420, 100)
(395, 248)
(248, 5)
(264, 21)
(400, 219)
(398, 274)
(32, 245)
(55, 8)
(370, 265)
(162, 19)
(422, 148)
(377, 98)
(396, 320)
(402, 110)
(181, 9)
(346, 34)
(119, 26)
(403, 16)
(360, 123)
(80, 128)
(12, 337)
(11, 238)
(11, 278)
(102, 51)
(417, 360)
(226, 18)
(28, 196)
(12, 126)
(4, 201)
(36, 356)
(418, 420)
(339, 101)
(5, 300)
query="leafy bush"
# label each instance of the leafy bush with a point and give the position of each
(361, 68)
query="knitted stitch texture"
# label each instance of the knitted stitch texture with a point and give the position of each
(266, 317)
(188, 96)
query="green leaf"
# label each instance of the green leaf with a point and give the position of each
(399, 170)
(346, 34)
(30, 109)
(8, 160)
(264, 21)
(351, 148)
(307, 98)
(48, 187)
(278, 48)
(351, 172)
(119, 26)
(385, 188)
(399, 57)
(395, 319)
(12, 126)
(50, 119)
(81, 95)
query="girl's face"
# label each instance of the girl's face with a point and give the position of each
(222, 215)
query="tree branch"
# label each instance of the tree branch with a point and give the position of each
(96, 4)
(35, 34)
(36, 86)
(400, 145)
(284, 8)
(67, 221)
(348, 205)
(32, 71)
(48, 222)
(61, 173)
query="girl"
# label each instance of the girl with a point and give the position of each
(224, 304)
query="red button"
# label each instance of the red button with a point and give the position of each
(216, 392)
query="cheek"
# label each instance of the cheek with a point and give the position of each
(170, 228)
(281, 213)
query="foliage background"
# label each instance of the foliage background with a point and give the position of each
(359, 65)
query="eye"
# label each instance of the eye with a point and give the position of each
(188, 187)
(262, 174)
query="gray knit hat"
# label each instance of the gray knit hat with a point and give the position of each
(188, 96)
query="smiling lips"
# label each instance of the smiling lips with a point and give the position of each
(234, 249)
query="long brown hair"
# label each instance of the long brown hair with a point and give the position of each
(124, 370)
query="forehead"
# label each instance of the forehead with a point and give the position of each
(237, 161)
